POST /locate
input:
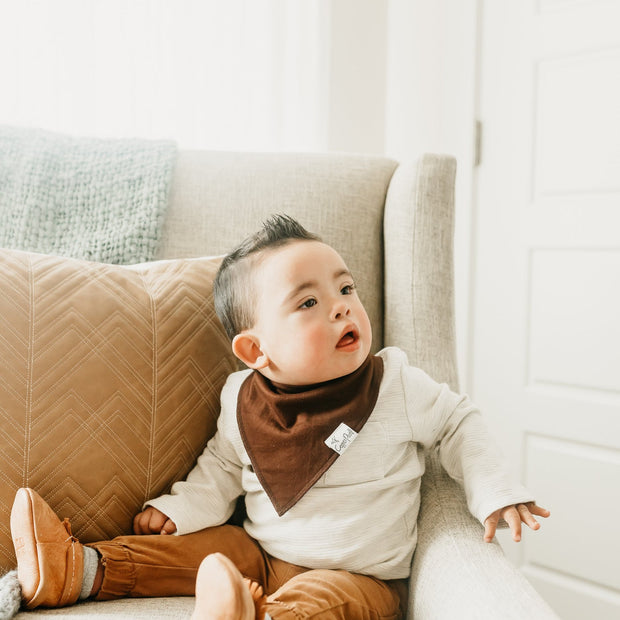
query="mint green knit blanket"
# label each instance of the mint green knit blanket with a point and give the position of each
(95, 199)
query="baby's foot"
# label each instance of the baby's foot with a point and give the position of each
(258, 597)
(222, 593)
(49, 557)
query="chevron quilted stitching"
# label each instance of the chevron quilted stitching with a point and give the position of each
(109, 384)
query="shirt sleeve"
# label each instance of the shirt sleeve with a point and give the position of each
(452, 424)
(208, 495)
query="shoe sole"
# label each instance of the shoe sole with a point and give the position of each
(26, 548)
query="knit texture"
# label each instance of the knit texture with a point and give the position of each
(10, 595)
(94, 199)
(91, 563)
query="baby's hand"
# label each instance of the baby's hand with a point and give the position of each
(153, 521)
(514, 515)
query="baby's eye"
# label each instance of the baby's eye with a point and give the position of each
(309, 303)
(347, 290)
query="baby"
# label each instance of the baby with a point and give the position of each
(326, 442)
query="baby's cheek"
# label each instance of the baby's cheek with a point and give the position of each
(365, 321)
(315, 341)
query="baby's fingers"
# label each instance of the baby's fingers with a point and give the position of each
(513, 517)
(490, 526)
(141, 523)
(527, 517)
(526, 514)
(169, 527)
(539, 511)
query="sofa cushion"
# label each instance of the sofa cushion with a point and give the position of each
(109, 384)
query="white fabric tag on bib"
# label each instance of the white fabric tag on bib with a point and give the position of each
(341, 438)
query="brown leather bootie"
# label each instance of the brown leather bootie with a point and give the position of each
(222, 593)
(49, 557)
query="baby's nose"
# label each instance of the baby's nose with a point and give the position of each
(341, 309)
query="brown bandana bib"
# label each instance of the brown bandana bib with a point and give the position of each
(284, 428)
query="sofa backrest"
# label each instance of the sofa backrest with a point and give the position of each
(219, 198)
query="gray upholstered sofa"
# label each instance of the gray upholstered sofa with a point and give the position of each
(393, 224)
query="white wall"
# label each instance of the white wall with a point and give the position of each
(431, 90)
(358, 39)
(240, 74)
(391, 77)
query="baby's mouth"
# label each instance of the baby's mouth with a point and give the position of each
(347, 338)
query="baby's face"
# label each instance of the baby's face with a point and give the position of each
(311, 325)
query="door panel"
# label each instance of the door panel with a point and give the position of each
(546, 335)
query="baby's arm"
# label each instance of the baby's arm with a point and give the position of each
(208, 495)
(514, 515)
(153, 521)
(205, 498)
(469, 454)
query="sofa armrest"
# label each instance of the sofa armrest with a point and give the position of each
(419, 274)
(455, 574)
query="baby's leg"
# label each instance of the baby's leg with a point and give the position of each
(336, 595)
(51, 560)
(156, 565)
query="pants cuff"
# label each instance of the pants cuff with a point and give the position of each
(119, 576)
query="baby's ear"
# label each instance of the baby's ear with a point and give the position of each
(247, 348)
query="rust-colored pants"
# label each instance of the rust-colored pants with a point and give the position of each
(138, 566)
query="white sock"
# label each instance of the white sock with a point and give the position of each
(91, 562)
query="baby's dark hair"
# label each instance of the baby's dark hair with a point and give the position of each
(233, 292)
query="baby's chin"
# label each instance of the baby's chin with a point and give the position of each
(341, 365)
(335, 374)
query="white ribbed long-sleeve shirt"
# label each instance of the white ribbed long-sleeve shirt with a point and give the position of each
(361, 514)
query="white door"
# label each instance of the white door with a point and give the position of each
(546, 306)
